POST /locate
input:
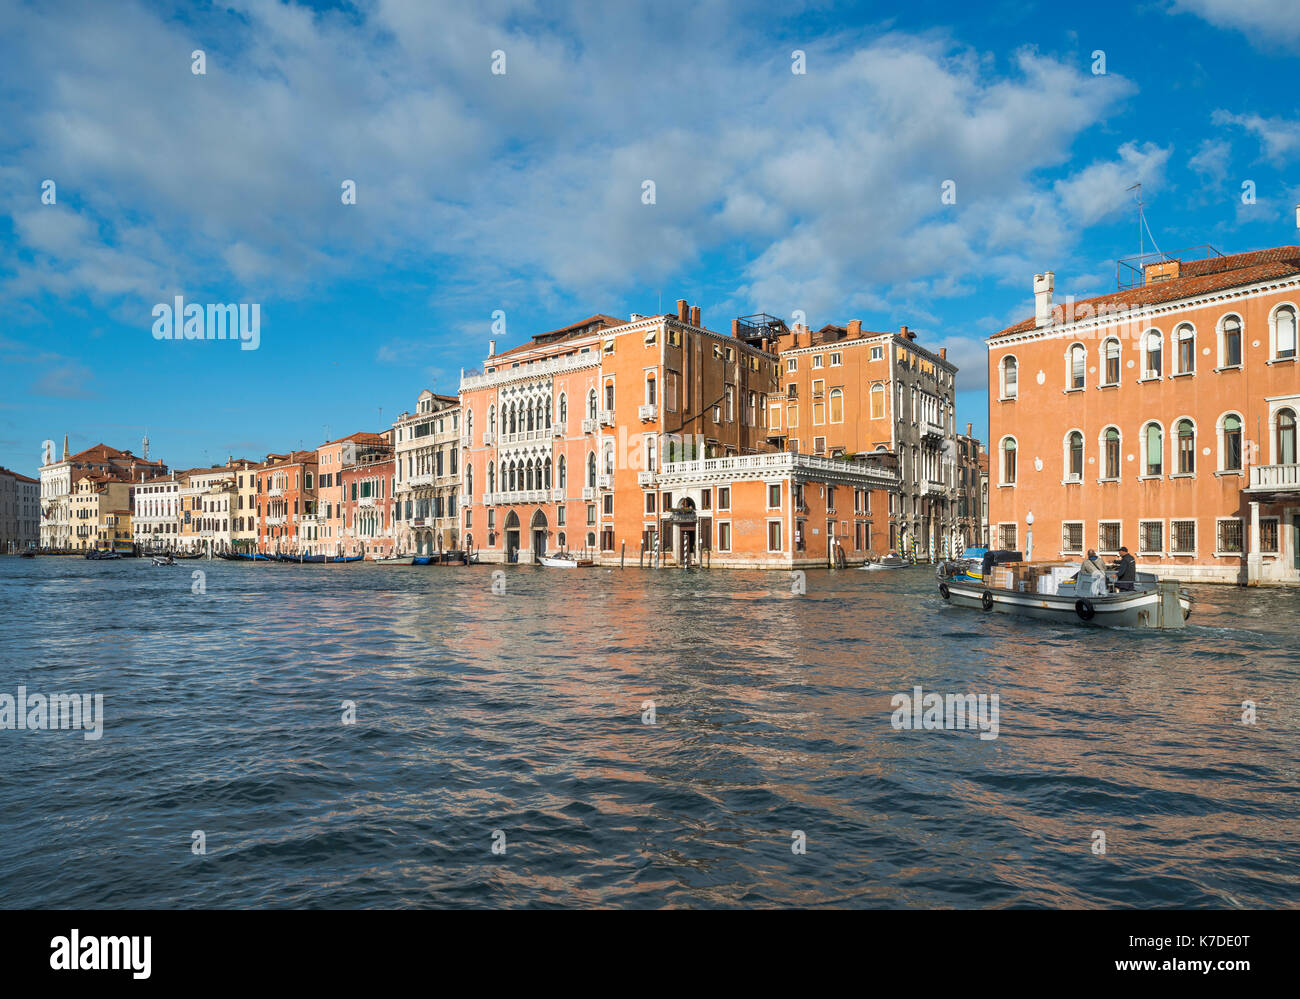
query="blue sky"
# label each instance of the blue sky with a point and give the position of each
(775, 192)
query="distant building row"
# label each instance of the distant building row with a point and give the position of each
(768, 447)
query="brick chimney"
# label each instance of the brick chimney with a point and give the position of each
(855, 329)
(968, 430)
(907, 332)
(695, 315)
(735, 328)
(943, 353)
(682, 312)
(1044, 284)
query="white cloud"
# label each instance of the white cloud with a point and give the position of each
(528, 186)
(1279, 139)
(1270, 23)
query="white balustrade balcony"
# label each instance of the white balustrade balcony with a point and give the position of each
(647, 412)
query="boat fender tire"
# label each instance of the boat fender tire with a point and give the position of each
(1187, 613)
(943, 590)
(1085, 609)
(986, 601)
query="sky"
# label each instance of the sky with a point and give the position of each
(929, 159)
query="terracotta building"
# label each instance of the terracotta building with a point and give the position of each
(1160, 417)
(649, 439)
(367, 496)
(286, 505)
(848, 391)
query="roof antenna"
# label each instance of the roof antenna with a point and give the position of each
(1142, 224)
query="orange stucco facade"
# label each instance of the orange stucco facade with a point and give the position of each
(648, 440)
(1161, 418)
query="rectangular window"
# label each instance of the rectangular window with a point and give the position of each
(1007, 537)
(774, 536)
(724, 536)
(774, 496)
(1151, 537)
(724, 497)
(591, 514)
(791, 364)
(559, 517)
(706, 499)
(837, 360)
(819, 445)
(877, 353)
(1229, 541)
(666, 502)
(1072, 537)
(608, 501)
(1268, 535)
(649, 502)
(1182, 537)
(1108, 537)
(817, 360)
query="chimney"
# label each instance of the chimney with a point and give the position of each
(65, 447)
(735, 328)
(968, 429)
(695, 315)
(492, 348)
(907, 332)
(1043, 285)
(683, 313)
(855, 329)
(943, 353)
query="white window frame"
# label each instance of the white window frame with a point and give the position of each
(1142, 548)
(1102, 549)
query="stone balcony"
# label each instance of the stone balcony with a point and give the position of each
(1275, 478)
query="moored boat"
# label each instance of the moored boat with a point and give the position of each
(888, 562)
(394, 560)
(564, 560)
(1050, 591)
(97, 555)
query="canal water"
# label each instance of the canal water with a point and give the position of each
(501, 754)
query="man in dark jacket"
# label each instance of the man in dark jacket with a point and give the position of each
(1125, 570)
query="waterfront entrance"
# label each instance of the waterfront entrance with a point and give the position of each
(539, 535)
(512, 537)
(1295, 540)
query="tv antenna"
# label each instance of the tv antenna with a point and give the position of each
(1143, 228)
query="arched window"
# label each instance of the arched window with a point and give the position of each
(1074, 456)
(1185, 338)
(837, 406)
(561, 540)
(1153, 443)
(877, 402)
(513, 415)
(546, 408)
(469, 422)
(609, 396)
(1286, 443)
(492, 419)
(1185, 431)
(469, 479)
(591, 540)
(591, 404)
(564, 478)
(1008, 368)
(1230, 445)
(1110, 361)
(546, 484)
(1284, 333)
(609, 458)
(1153, 353)
(491, 478)
(1230, 343)
(1078, 366)
(1009, 461)
(591, 465)
(531, 424)
(1112, 440)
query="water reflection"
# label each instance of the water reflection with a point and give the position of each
(522, 712)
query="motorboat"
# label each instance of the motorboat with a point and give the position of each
(887, 562)
(96, 555)
(564, 560)
(970, 564)
(1052, 591)
(394, 560)
(163, 560)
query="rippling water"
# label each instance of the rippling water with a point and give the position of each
(522, 713)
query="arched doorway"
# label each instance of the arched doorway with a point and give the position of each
(538, 527)
(685, 519)
(512, 537)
